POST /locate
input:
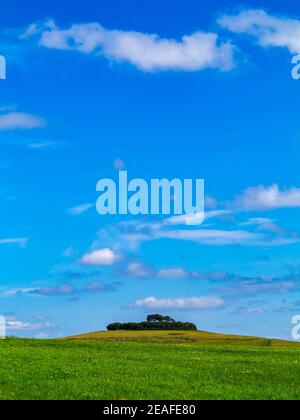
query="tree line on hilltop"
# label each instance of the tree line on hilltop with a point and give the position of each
(154, 322)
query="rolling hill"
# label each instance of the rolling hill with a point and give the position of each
(182, 337)
(150, 365)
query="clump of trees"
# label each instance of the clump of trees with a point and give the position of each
(159, 318)
(154, 322)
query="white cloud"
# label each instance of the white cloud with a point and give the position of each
(214, 237)
(80, 209)
(68, 252)
(255, 311)
(19, 120)
(104, 257)
(62, 290)
(14, 324)
(260, 286)
(257, 221)
(17, 292)
(140, 270)
(256, 231)
(249, 311)
(173, 273)
(211, 202)
(130, 235)
(100, 287)
(204, 302)
(269, 30)
(268, 198)
(38, 146)
(148, 52)
(18, 241)
(188, 219)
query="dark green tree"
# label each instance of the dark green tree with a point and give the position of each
(159, 318)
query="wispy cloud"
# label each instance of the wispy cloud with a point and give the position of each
(173, 273)
(215, 237)
(39, 146)
(148, 52)
(68, 252)
(130, 235)
(101, 287)
(247, 310)
(256, 231)
(267, 198)
(200, 303)
(18, 292)
(139, 270)
(267, 29)
(182, 273)
(227, 284)
(240, 286)
(14, 324)
(19, 120)
(119, 164)
(188, 219)
(63, 290)
(80, 209)
(18, 241)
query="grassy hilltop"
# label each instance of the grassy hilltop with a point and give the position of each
(136, 365)
(183, 337)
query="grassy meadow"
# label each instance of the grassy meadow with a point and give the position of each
(149, 365)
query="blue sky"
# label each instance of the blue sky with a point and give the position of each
(90, 90)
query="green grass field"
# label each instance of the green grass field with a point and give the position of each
(149, 365)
